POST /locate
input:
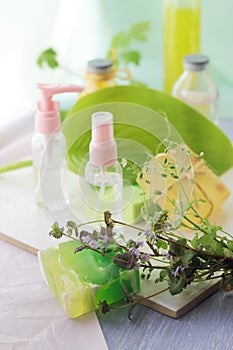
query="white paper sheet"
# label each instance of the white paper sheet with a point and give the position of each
(30, 316)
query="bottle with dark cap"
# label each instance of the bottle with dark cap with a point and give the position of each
(196, 87)
(101, 74)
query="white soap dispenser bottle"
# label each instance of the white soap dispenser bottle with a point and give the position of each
(49, 149)
(103, 173)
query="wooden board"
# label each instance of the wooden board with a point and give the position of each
(177, 305)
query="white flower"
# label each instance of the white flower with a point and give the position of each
(123, 162)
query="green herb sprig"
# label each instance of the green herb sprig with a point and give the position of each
(160, 246)
(181, 261)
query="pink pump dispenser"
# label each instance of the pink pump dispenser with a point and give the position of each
(103, 147)
(103, 185)
(49, 149)
(47, 119)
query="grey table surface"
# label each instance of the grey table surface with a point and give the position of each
(208, 326)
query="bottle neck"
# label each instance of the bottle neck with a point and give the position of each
(47, 122)
(197, 79)
(183, 4)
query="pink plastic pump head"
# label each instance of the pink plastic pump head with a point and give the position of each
(47, 119)
(103, 147)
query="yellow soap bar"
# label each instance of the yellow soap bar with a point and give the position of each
(164, 182)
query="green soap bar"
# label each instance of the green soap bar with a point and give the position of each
(73, 278)
(132, 212)
(113, 290)
(89, 265)
(76, 297)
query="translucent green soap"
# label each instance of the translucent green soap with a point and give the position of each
(80, 281)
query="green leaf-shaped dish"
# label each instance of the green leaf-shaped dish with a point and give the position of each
(132, 130)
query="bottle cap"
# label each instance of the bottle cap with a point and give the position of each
(47, 119)
(195, 62)
(103, 147)
(99, 66)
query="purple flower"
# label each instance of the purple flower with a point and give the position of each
(145, 257)
(136, 266)
(103, 231)
(93, 244)
(176, 271)
(168, 255)
(104, 237)
(85, 239)
(140, 244)
(153, 237)
(135, 252)
(147, 231)
(106, 231)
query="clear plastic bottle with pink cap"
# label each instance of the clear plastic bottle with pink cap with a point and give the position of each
(103, 173)
(49, 149)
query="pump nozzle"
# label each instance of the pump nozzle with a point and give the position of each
(103, 147)
(47, 116)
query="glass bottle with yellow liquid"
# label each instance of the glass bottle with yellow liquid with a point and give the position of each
(181, 26)
(101, 74)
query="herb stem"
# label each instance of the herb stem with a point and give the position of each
(195, 225)
(15, 166)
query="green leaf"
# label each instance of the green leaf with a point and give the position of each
(139, 31)
(230, 245)
(177, 249)
(162, 275)
(48, 57)
(194, 242)
(120, 40)
(186, 259)
(132, 56)
(161, 244)
(71, 224)
(191, 126)
(176, 286)
(205, 240)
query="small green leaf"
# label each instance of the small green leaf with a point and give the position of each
(176, 248)
(131, 56)
(161, 244)
(120, 40)
(71, 224)
(205, 240)
(139, 31)
(48, 57)
(163, 274)
(194, 242)
(176, 286)
(187, 258)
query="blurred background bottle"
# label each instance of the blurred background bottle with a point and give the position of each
(181, 27)
(196, 87)
(102, 74)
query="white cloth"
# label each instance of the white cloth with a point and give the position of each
(30, 316)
